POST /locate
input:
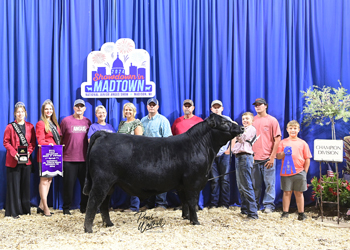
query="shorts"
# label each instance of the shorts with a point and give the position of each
(294, 182)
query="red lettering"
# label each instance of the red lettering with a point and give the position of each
(96, 77)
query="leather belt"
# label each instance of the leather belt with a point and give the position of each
(243, 153)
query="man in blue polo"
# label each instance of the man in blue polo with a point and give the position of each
(155, 125)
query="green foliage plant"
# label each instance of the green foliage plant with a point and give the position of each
(326, 105)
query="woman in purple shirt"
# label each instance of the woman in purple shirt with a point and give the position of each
(101, 124)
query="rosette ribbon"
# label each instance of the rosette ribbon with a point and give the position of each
(288, 164)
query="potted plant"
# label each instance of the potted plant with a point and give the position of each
(326, 105)
(346, 171)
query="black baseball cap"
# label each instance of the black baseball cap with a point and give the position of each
(260, 100)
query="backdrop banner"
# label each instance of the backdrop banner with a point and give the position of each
(204, 50)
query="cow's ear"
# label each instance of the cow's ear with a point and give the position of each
(211, 122)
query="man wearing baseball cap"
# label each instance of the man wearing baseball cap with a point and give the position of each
(220, 196)
(74, 136)
(155, 125)
(265, 149)
(187, 121)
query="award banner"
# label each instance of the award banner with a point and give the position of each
(51, 160)
(118, 70)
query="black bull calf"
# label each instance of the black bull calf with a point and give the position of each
(145, 166)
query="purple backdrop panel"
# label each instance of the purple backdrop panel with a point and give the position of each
(52, 160)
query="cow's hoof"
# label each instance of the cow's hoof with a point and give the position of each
(195, 223)
(110, 224)
(186, 217)
(88, 230)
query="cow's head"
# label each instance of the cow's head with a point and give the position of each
(218, 122)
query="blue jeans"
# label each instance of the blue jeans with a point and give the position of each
(261, 174)
(134, 203)
(221, 165)
(158, 200)
(244, 166)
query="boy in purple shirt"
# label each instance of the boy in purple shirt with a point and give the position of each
(74, 136)
(244, 164)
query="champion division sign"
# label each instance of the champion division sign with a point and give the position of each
(118, 70)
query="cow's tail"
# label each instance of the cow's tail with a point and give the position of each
(88, 180)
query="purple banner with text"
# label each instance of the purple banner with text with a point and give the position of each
(52, 160)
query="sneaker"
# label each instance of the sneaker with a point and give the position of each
(160, 209)
(284, 215)
(267, 210)
(143, 209)
(249, 218)
(128, 210)
(302, 216)
(66, 212)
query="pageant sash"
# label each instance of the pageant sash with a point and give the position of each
(288, 164)
(56, 135)
(20, 134)
(21, 150)
(51, 160)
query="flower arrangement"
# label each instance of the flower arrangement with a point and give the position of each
(329, 190)
(326, 103)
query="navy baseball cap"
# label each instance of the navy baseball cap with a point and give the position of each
(152, 100)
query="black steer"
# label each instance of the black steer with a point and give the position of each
(145, 166)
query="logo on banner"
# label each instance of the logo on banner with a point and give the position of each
(118, 70)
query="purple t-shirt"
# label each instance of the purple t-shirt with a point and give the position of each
(97, 127)
(74, 138)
